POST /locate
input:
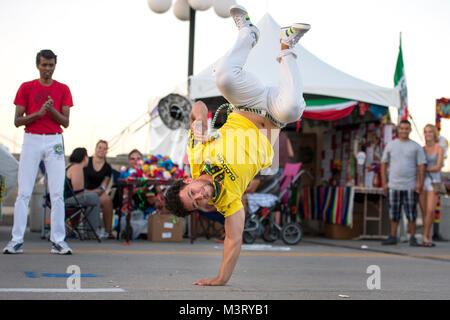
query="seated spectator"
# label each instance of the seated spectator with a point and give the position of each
(134, 163)
(75, 178)
(97, 176)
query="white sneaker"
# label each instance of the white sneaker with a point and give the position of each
(61, 248)
(101, 234)
(242, 20)
(13, 247)
(292, 34)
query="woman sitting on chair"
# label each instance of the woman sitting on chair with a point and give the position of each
(77, 192)
(97, 175)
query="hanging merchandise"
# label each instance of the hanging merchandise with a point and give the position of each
(378, 111)
(363, 108)
(360, 162)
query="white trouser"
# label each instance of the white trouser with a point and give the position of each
(285, 103)
(35, 148)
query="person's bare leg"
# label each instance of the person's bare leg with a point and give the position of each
(394, 226)
(429, 216)
(412, 228)
(107, 211)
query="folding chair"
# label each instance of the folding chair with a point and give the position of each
(207, 225)
(76, 220)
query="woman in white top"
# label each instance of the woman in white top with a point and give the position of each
(434, 155)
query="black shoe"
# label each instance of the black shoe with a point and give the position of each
(389, 241)
(413, 242)
(438, 237)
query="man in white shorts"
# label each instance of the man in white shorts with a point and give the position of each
(217, 178)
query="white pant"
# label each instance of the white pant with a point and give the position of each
(34, 148)
(285, 103)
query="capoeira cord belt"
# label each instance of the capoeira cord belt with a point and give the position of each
(231, 108)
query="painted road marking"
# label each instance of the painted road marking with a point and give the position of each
(247, 253)
(51, 290)
(34, 275)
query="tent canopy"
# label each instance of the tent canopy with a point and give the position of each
(318, 77)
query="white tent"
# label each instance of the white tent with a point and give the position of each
(9, 168)
(318, 77)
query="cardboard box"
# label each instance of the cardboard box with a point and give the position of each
(338, 232)
(165, 228)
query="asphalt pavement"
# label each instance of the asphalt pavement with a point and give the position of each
(315, 269)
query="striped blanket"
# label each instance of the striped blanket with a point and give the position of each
(329, 204)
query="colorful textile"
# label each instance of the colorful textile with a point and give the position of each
(2, 188)
(442, 111)
(329, 204)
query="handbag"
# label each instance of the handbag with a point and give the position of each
(438, 187)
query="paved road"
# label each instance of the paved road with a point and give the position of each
(317, 268)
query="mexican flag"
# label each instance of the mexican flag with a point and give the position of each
(400, 84)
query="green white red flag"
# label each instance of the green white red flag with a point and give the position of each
(400, 84)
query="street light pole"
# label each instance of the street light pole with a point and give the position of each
(191, 48)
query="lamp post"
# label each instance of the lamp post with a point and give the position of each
(185, 10)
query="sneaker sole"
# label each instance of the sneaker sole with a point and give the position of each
(301, 26)
(10, 252)
(61, 252)
(237, 9)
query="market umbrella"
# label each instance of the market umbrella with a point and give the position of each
(9, 167)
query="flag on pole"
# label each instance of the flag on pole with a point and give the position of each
(400, 84)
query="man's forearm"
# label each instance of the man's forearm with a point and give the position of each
(59, 117)
(231, 252)
(26, 120)
(420, 175)
(383, 173)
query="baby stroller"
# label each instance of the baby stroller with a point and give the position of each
(265, 225)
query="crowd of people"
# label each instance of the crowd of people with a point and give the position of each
(43, 105)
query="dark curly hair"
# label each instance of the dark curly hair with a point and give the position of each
(172, 201)
(78, 155)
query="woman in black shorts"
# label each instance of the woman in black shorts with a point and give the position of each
(98, 174)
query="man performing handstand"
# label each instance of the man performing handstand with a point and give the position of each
(221, 168)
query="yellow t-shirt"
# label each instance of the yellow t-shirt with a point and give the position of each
(233, 158)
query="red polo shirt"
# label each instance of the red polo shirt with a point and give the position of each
(32, 95)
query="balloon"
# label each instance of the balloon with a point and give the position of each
(200, 5)
(181, 10)
(222, 7)
(159, 6)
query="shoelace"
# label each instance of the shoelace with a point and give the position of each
(241, 21)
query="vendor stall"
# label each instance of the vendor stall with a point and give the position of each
(140, 190)
(346, 197)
